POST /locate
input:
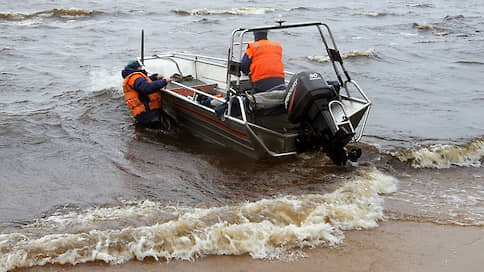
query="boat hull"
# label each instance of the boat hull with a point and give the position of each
(237, 126)
(203, 123)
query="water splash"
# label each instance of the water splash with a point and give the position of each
(101, 78)
(445, 156)
(269, 228)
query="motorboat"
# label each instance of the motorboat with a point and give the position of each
(210, 98)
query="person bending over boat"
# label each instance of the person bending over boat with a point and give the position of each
(263, 62)
(142, 94)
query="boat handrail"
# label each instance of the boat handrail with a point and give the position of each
(188, 55)
(222, 100)
(286, 135)
(269, 27)
(174, 61)
(249, 126)
(194, 58)
(368, 103)
(270, 152)
(243, 43)
(242, 109)
(346, 119)
(200, 56)
(362, 93)
(196, 91)
(242, 121)
(184, 98)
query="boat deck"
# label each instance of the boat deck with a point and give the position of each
(278, 122)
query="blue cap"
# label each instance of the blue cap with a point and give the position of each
(260, 34)
(134, 64)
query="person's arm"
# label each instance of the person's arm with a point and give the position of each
(154, 77)
(144, 87)
(245, 64)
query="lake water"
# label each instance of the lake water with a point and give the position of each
(79, 182)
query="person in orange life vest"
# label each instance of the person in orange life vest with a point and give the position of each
(263, 62)
(142, 93)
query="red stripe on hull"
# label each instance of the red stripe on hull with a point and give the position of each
(212, 120)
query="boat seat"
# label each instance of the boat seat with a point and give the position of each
(271, 98)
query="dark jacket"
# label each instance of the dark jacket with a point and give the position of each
(143, 87)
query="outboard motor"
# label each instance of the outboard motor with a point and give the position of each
(307, 103)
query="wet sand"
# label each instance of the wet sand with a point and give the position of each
(394, 246)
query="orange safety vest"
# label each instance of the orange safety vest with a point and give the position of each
(266, 60)
(132, 96)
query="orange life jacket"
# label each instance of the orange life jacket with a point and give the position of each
(266, 59)
(132, 96)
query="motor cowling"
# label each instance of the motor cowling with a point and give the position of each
(307, 103)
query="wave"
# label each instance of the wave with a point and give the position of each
(207, 21)
(348, 55)
(6, 49)
(423, 26)
(234, 11)
(428, 27)
(452, 18)
(445, 156)
(374, 14)
(52, 13)
(470, 62)
(435, 41)
(268, 228)
(441, 34)
(420, 5)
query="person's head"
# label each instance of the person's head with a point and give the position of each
(260, 35)
(134, 65)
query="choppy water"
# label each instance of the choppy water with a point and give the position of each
(80, 183)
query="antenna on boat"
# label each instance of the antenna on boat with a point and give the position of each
(142, 46)
(280, 20)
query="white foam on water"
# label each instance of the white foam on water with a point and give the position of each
(352, 54)
(373, 14)
(445, 156)
(269, 228)
(419, 5)
(101, 79)
(62, 13)
(424, 26)
(233, 11)
(26, 22)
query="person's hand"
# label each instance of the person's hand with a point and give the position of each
(168, 80)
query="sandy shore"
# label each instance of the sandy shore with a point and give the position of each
(394, 246)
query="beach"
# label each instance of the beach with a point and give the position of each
(394, 246)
